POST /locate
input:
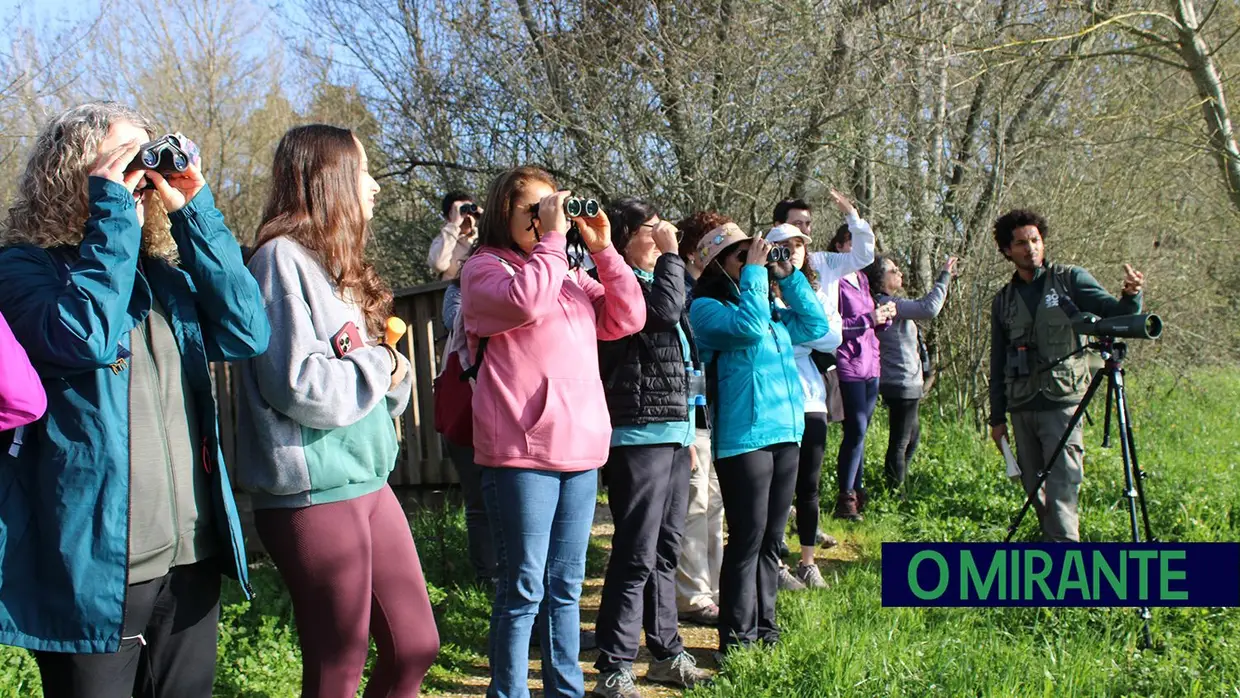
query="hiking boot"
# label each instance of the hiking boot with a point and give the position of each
(846, 507)
(681, 670)
(616, 684)
(862, 498)
(826, 540)
(706, 615)
(787, 581)
(810, 576)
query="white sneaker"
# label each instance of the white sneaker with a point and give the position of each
(616, 684)
(788, 581)
(810, 576)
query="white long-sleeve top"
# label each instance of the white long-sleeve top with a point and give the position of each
(830, 268)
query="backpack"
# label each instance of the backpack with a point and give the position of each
(453, 389)
(454, 397)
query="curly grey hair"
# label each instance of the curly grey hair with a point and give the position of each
(51, 207)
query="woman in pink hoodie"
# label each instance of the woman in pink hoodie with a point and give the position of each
(541, 425)
(22, 399)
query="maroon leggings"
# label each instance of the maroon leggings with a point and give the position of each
(353, 572)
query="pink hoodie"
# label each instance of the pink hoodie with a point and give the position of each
(538, 401)
(22, 399)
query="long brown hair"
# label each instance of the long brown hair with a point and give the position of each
(314, 200)
(494, 229)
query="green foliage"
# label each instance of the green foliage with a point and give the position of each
(841, 641)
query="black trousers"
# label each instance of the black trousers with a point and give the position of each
(168, 644)
(809, 476)
(757, 490)
(903, 438)
(648, 494)
(477, 526)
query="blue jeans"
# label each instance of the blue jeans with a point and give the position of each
(860, 398)
(540, 523)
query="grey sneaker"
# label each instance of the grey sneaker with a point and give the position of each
(788, 581)
(811, 576)
(616, 684)
(680, 670)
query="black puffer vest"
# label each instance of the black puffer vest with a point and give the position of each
(644, 374)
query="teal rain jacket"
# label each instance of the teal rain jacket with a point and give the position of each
(64, 490)
(758, 402)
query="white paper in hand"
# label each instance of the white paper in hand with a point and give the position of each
(1013, 470)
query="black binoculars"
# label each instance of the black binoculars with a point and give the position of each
(166, 155)
(575, 207)
(778, 254)
(469, 208)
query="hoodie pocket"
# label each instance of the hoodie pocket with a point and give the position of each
(574, 424)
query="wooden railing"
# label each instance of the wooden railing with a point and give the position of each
(422, 460)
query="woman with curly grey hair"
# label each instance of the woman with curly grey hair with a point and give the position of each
(115, 508)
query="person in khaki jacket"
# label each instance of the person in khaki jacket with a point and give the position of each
(1031, 329)
(451, 246)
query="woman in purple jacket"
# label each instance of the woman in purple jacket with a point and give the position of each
(857, 363)
(22, 399)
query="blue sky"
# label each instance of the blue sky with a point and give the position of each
(49, 10)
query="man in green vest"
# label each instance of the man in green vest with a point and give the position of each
(1029, 330)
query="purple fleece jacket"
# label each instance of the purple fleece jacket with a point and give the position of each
(858, 355)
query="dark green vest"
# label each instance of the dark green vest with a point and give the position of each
(1035, 339)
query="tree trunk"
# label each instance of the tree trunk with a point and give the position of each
(1201, 66)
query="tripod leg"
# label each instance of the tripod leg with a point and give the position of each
(1138, 475)
(1131, 478)
(1098, 379)
(1106, 423)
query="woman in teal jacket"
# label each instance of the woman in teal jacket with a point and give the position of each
(116, 514)
(759, 413)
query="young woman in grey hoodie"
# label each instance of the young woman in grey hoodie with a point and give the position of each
(901, 383)
(315, 412)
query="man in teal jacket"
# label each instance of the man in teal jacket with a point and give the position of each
(116, 514)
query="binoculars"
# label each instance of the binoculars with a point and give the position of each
(778, 254)
(469, 208)
(168, 154)
(575, 207)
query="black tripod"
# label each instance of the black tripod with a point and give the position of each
(1113, 353)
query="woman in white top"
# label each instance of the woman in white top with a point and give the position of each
(824, 270)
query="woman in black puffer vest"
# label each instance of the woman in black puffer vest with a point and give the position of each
(646, 380)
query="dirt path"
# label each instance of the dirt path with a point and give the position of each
(700, 641)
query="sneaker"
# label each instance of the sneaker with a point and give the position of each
(788, 582)
(616, 684)
(810, 576)
(826, 540)
(681, 670)
(706, 615)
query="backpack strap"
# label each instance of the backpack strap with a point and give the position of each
(471, 373)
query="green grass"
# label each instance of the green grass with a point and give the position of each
(841, 641)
